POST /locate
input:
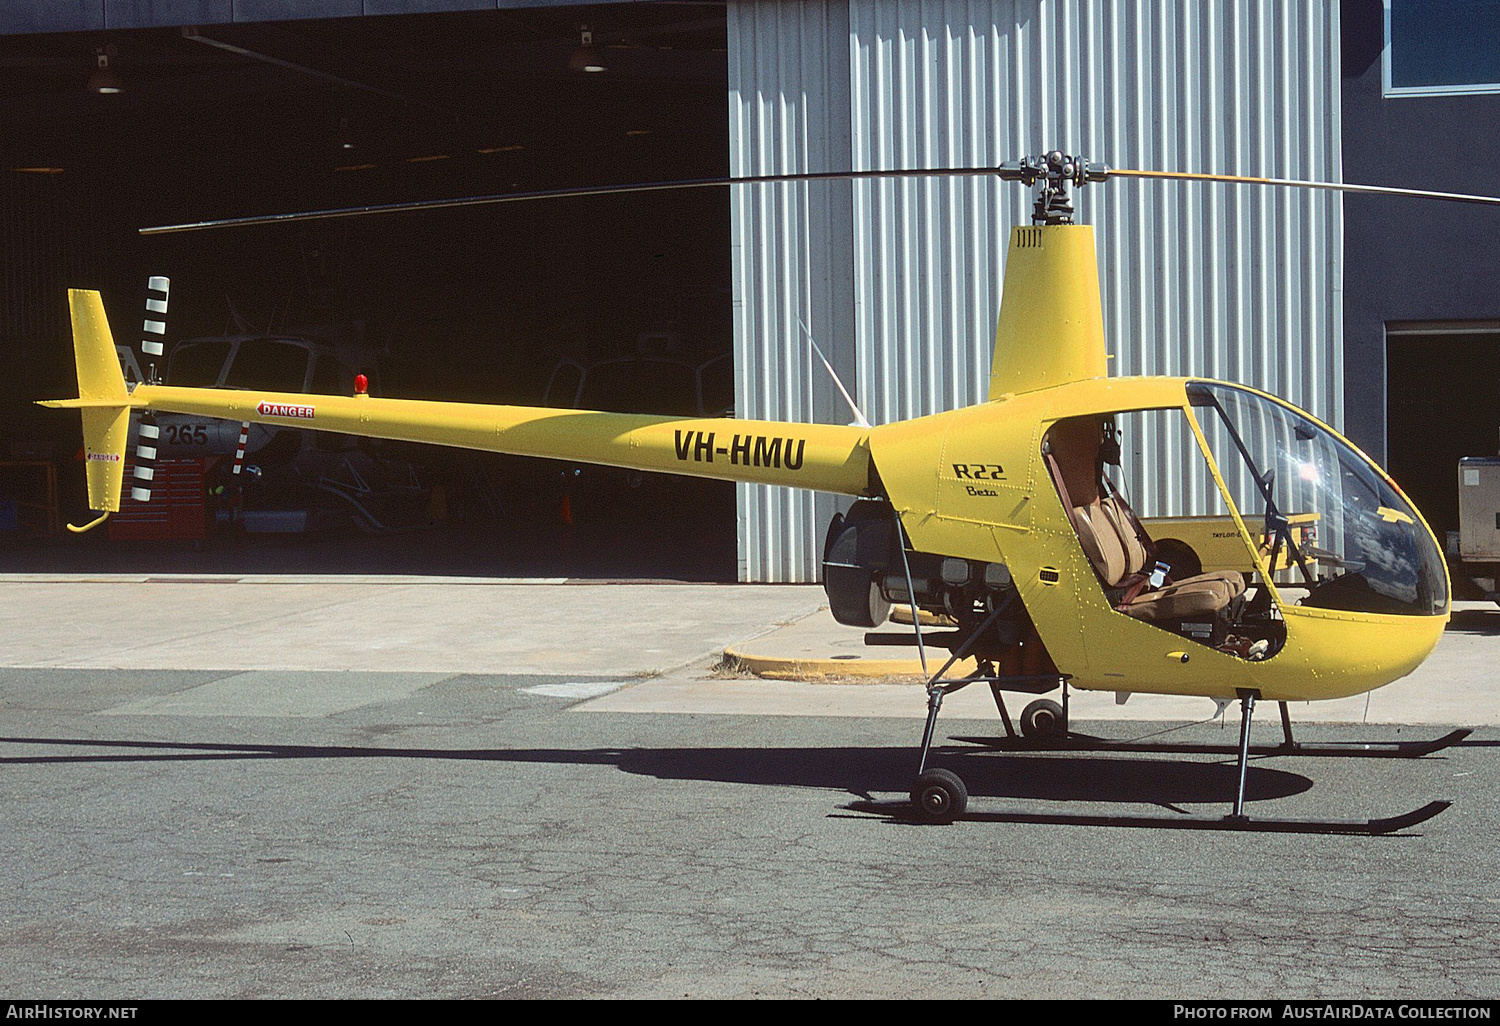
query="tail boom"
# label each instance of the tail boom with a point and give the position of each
(822, 457)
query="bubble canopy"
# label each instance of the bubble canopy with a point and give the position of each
(1368, 551)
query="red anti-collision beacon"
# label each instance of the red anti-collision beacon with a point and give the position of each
(361, 385)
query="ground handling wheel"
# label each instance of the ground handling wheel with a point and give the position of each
(1043, 719)
(939, 796)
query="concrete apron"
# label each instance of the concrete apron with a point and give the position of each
(661, 642)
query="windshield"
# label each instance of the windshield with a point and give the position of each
(1349, 538)
(270, 365)
(197, 364)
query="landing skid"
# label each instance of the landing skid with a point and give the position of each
(906, 812)
(940, 796)
(1075, 742)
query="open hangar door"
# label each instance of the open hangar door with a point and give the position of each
(1443, 404)
(603, 302)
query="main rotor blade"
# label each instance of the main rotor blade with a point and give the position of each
(1004, 171)
(604, 190)
(1383, 190)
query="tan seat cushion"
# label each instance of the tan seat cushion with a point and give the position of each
(1136, 556)
(1101, 542)
(1203, 595)
(1107, 532)
(1112, 546)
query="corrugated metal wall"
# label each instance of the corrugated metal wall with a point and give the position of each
(900, 280)
(789, 111)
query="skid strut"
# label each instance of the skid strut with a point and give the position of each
(939, 686)
(1247, 709)
(938, 795)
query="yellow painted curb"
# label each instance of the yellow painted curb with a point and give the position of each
(786, 668)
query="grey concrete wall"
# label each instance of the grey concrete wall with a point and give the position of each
(1407, 259)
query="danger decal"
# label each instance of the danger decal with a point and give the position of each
(104, 457)
(285, 410)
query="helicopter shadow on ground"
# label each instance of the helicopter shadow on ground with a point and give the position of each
(861, 772)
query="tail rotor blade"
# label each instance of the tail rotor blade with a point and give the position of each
(153, 331)
(157, 292)
(147, 436)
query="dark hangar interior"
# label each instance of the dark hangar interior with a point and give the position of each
(485, 304)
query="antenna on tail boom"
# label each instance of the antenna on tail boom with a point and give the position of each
(859, 417)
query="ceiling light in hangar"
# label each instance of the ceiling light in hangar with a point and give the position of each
(587, 57)
(104, 80)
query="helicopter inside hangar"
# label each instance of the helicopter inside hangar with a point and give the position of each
(479, 304)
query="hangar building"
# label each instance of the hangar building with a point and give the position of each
(1360, 309)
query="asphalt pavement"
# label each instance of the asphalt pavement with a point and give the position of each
(238, 786)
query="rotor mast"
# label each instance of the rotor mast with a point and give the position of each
(1051, 325)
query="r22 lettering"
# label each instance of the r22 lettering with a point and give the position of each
(979, 471)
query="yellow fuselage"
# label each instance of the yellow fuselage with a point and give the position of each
(970, 483)
(1016, 517)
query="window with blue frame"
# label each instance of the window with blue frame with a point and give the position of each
(1441, 47)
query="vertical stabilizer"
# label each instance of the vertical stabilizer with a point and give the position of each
(99, 374)
(1051, 326)
(100, 386)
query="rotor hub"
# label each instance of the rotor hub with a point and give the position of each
(1054, 172)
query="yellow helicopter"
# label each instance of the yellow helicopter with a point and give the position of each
(1008, 518)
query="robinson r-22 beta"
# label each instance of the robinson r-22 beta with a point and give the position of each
(1008, 518)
